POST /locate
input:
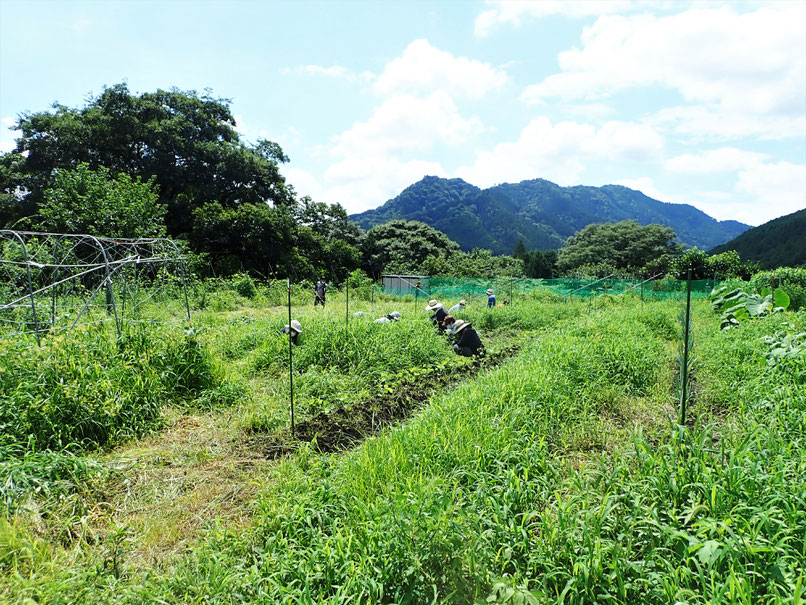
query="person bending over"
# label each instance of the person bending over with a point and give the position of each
(468, 342)
(439, 313)
(295, 328)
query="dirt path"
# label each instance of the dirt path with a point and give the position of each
(347, 426)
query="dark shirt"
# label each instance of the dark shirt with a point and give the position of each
(470, 338)
(321, 288)
(439, 315)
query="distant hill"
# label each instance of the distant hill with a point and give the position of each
(779, 243)
(540, 212)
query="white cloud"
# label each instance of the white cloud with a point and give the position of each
(333, 71)
(516, 12)
(777, 189)
(724, 159)
(424, 68)
(559, 152)
(750, 64)
(708, 122)
(361, 183)
(407, 122)
(762, 190)
(647, 186)
(7, 136)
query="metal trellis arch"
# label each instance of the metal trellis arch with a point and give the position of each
(51, 281)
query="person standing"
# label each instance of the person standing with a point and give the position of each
(490, 299)
(319, 290)
(468, 342)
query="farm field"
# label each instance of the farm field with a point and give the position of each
(159, 467)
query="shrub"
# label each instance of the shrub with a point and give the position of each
(793, 280)
(244, 285)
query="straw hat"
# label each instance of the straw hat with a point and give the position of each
(460, 325)
(463, 302)
(296, 326)
(433, 304)
(489, 292)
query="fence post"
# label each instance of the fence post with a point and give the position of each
(290, 360)
(684, 387)
(347, 315)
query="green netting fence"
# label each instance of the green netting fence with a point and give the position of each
(509, 289)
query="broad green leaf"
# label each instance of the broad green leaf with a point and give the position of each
(758, 306)
(781, 298)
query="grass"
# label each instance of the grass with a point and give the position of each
(559, 476)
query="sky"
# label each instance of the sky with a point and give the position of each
(693, 102)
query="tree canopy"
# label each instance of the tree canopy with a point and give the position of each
(402, 246)
(185, 141)
(114, 207)
(623, 246)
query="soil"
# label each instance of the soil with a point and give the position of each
(346, 427)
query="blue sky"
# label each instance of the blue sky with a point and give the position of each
(697, 102)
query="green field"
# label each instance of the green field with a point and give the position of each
(159, 466)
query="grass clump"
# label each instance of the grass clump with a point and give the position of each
(89, 389)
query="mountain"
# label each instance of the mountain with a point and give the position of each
(540, 212)
(779, 243)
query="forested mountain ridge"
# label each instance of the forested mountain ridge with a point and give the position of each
(779, 243)
(540, 212)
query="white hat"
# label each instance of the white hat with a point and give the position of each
(460, 325)
(433, 304)
(489, 292)
(296, 326)
(395, 315)
(463, 302)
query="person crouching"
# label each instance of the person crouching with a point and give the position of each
(468, 342)
(295, 329)
(439, 313)
(393, 316)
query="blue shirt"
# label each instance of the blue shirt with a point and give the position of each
(491, 301)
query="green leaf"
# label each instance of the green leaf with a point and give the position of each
(758, 306)
(781, 298)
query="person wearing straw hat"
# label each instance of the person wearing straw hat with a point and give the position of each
(295, 329)
(439, 313)
(393, 316)
(457, 307)
(490, 299)
(468, 342)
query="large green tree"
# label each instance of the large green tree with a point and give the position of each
(92, 201)
(402, 246)
(625, 246)
(185, 141)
